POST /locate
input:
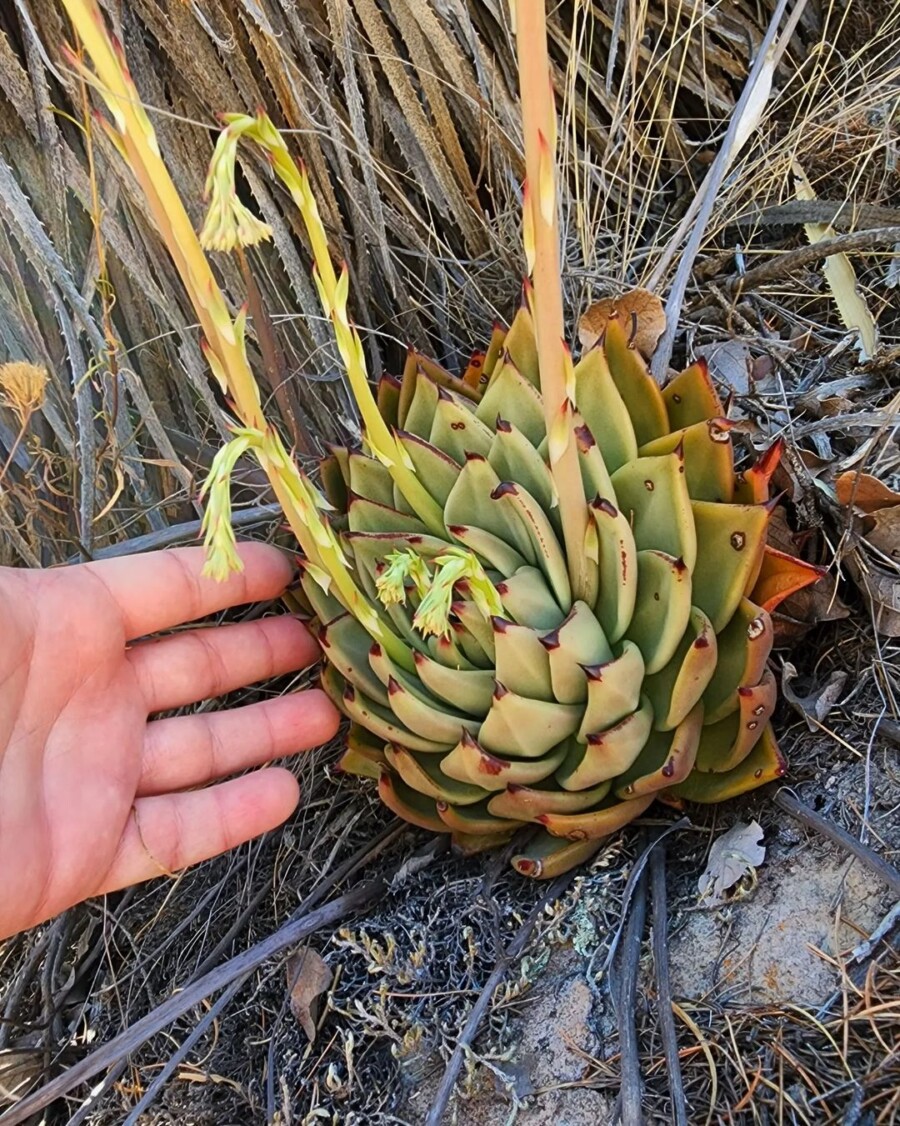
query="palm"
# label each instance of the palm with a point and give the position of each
(93, 794)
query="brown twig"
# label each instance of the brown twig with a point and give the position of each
(515, 948)
(785, 800)
(239, 967)
(631, 1092)
(782, 264)
(664, 984)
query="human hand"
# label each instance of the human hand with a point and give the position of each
(94, 795)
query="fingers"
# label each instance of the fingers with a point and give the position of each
(165, 588)
(165, 834)
(201, 663)
(194, 749)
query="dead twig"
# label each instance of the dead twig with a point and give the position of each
(785, 800)
(664, 984)
(631, 1093)
(783, 264)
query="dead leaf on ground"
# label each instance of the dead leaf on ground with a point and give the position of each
(884, 534)
(733, 856)
(308, 977)
(864, 491)
(879, 586)
(639, 308)
(814, 706)
(730, 363)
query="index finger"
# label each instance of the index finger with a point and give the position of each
(163, 589)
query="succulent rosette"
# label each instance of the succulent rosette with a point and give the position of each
(524, 704)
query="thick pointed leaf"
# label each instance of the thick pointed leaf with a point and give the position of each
(470, 762)
(545, 857)
(527, 803)
(435, 469)
(521, 661)
(513, 397)
(744, 647)
(666, 759)
(346, 646)
(653, 494)
(603, 409)
(677, 687)
(730, 543)
(514, 458)
(595, 824)
(765, 763)
(429, 721)
(468, 691)
(418, 402)
(594, 472)
(408, 804)
(474, 820)
(368, 516)
(387, 396)
(578, 643)
(780, 576)
(364, 755)
(614, 690)
(618, 565)
(635, 384)
(708, 457)
(526, 728)
(607, 754)
(333, 482)
(470, 504)
(691, 397)
(368, 714)
(493, 353)
(547, 552)
(423, 774)
(725, 744)
(493, 552)
(527, 599)
(752, 486)
(456, 430)
(663, 608)
(521, 346)
(478, 628)
(371, 480)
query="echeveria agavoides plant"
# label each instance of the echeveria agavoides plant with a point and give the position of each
(542, 592)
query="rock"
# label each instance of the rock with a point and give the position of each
(763, 949)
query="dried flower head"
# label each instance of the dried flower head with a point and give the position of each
(23, 387)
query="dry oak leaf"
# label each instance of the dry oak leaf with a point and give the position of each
(864, 491)
(308, 977)
(641, 312)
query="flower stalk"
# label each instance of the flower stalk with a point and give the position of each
(541, 240)
(133, 136)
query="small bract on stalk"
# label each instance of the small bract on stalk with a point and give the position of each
(542, 591)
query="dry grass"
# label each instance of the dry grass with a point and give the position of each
(406, 115)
